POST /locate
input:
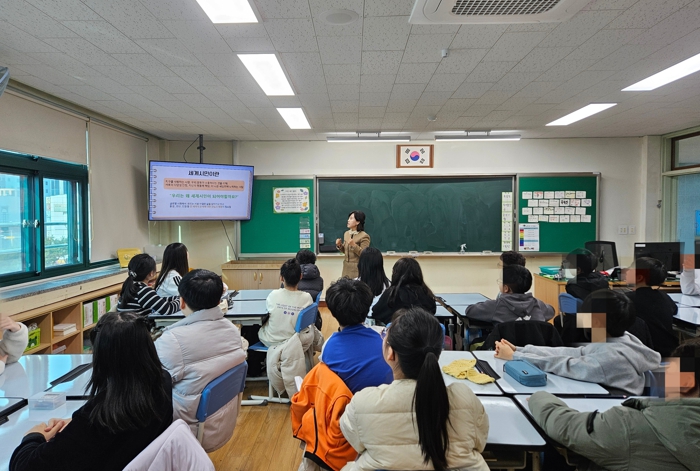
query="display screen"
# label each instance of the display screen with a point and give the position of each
(199, 192)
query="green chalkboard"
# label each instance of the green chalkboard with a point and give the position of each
(270, 233)
(421, 214)
(556, 236)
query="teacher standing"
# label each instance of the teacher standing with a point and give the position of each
(354, 241)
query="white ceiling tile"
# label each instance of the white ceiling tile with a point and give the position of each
(421, 48)
(514, 46)
(537, 89)
(86, 91)
(344, 106)
(353, 29)
(671, 29)
(407, 91)
(340, 49)
(471, 90)
(461, 61)
(314, 100)
(516, 103)
(372, 124)
(646, 13)
(285, 101)
(415, 73)
(610, 4)
(104, 36)
(176, 106)
(223, 65)
(270, 9)
(196, 75)
(253, 30)
(169, 52)
(345, 74)
(344, 92)
(254, 99)
(372, 111)
(15, 38)
(478, 36)
(531, 27)
(493, 97)
(345, 118)
(374, 99)
(10, 56)
(587, 79)
(400, 106)
(40, 84)
(246, 45)
(32, 20)
(300, 64)
(130, 17)
(385, 33)
(66, 64)
(173, 84)
(240, 84)
(465, 122)
(84, 51)
(498, 115)
(174, 9)
(579, 29)
(457, 104)
(479, 110)
(388, 7)
(557, 96)
(534, 110)
(603, 43)
(292, 35)
(118, 75)
(490, 71)
(195, 100)
(377, 83)
(565, 70)
(434, 98)
(144, 64)
(434, 29)
(381, 62)
(514, 81)
(396, 117)
(542, 58)
(198, 36)
(309, 84)
(49, 74)
(65, 9)
(217, 94)
(445, 82)
(625, 57)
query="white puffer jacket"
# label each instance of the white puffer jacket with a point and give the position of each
(380, 424)
(292, 358)
(195, 351)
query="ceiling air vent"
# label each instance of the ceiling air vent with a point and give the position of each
(494, 11)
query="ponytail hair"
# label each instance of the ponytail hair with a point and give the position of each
(417, 338)
(140, 266)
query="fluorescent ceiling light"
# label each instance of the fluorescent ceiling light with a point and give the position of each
(478, 136)
(267, 71)
(460, 133)
(295, 118)
(343, 133)
(369, 137)
(393, 133)
(228, 11)
(585, 112)
(673, 73)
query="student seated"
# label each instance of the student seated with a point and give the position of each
(415, 422)
(514, 302)
(587, 280)
(137, 294)
(284, 305)
(511, 257)
(654, 307)
(640, 434)
(407, 290)
(615, 358)
(354, 352)
(690, 276)
(198, 349)
(371, 271)
(14, 340)
(129, 405)
(176, 264)
(311, 281)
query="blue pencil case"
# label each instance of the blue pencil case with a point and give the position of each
(525, 373)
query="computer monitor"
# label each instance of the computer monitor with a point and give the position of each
(605, 254)
(669, 253)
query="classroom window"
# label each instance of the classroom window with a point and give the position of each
(43, 214)
(685, 151)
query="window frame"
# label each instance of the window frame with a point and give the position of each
(673, 141)
(39, 168)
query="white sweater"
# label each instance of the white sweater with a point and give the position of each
(690, 282)
(13, 345)
(169, 285)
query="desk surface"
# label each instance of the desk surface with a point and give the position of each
(462, 299)
(33, 374)
(20, 422)
(685, 300)
(581, 404)
(9, 403)
(691, 315)
(252, 295)
(555, 384)
(74, 389)
(239, 309)
(448, 356)
(508, 426)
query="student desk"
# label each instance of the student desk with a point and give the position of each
(460, 301)
(74, 389)
(510, 431)
(581, 404)
(20, 422)
(252, 295)
(687, 320)
(241, 312)
(33, 374)
(685, 300)
(555, 384)
(448, 356)
(8, 405)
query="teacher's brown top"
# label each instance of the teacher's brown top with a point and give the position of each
(352, 252)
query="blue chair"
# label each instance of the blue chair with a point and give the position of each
(568, 305)
(306, 318)
(218, 393)
(318, 298)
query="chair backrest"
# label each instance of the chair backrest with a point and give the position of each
(318, 297)
(605, 254)
(221, 391)
(520, 333)
(306, 317)
(568, 304)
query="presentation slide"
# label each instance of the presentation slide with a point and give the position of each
(199, 192)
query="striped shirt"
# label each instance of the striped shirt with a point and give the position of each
(147, 299)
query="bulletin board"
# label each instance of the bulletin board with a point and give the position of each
(551, 196)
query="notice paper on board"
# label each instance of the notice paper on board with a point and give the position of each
(529, 237)
(290, 200)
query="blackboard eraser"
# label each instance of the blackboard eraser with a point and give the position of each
(428, 252)
(413, 253)
(391, 252)
(486, 252)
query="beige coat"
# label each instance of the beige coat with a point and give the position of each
(379, 424)
(352, 252)
(295, 357)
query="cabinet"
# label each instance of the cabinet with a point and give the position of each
(252, 274)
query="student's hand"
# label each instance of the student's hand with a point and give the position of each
(503, 351)
(225, 287)
(351, 243)
(8, 324)
(688, 261)
(48, 430)
(65, 423)
(513, 347)
(338, 242)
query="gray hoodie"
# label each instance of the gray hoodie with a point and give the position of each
(640, 435)
(619, 363)
(511, 307)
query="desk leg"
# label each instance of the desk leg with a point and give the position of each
(536, 465)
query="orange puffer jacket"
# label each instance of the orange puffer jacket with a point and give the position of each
(316, 411)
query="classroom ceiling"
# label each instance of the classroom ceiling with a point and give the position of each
(163, 67)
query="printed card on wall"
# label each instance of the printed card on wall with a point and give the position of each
(586, 202)
(580, 194)
(559, 194)
(538, 195)
(527, 195)
(580, 211)
(507, 207)
(537, 210)
(575, 202)
(553, 218)
(569, 210)
(533, 218)
(549, 210)
(554, 203)
(529, 238)
(569, 194)
(543, 218)
(290, 200)
(532, 203)
(564, 218)
(549, 195)
(506, 246)
(506, 226)
(559, 210)
(414, 156)
(507, 196)
(543, 203)
(574, 218)
(527, 211)
(586, 218)
(564, 202)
